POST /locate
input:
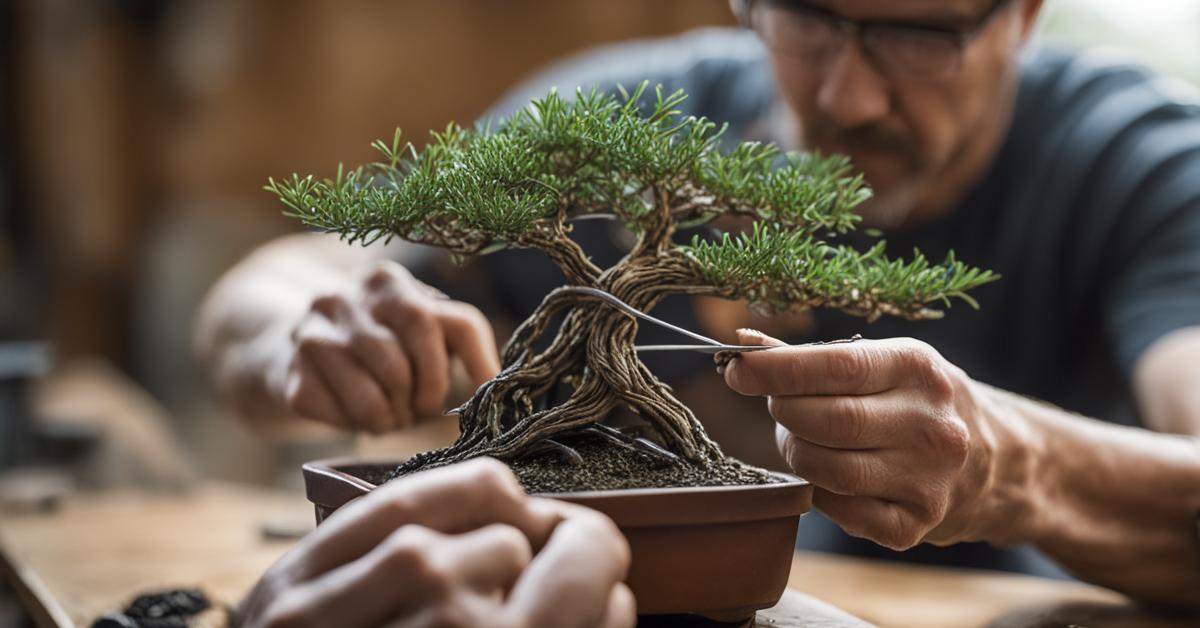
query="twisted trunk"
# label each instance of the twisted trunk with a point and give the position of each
(592, 352)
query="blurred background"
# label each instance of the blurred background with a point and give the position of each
(135, 136)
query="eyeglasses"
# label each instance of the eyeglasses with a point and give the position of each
(798, 29)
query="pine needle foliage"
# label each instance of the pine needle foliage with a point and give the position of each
(633, 157)
(630, 157)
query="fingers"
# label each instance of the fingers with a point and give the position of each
(570, 582)
(441, 548)
(841, 471)
(306, 393)
(425, 344)
(890, 524)
(849, 421)
(452, 499)
(355, 361)
(488, 559)
(622, 608)
(382, 353)
(470, 337)
(374, 346)
(755, 337)
(416, 568)
(428, 325)
(364, 592)
(362, 400)
(420, 333)
(861, 367)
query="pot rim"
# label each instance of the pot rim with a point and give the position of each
(627, 507)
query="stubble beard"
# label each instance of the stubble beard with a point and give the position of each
(890, 208)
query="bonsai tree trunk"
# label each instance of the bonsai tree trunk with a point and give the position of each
(593, 353)
(637, 161)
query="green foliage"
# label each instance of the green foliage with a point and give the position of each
(595, 153)
(634, 158)
(807, 192)
(776, 269)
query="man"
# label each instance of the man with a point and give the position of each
(1075, 179)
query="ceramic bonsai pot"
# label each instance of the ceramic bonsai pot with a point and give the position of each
(723, 552)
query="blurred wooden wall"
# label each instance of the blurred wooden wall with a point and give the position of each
(147, 127)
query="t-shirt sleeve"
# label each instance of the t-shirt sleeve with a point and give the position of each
(1155, 287)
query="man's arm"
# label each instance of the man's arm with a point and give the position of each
(903, 447)
(307, 325)
(1167, 383)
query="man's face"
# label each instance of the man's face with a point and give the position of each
(913, 134)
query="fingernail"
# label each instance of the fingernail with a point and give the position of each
(753, 334)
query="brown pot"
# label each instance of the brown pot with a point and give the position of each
(722, 551)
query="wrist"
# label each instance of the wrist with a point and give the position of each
(1008, 509)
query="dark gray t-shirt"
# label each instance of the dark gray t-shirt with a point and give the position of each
(1090, 212)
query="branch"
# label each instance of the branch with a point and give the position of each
(564, 252)
(777, 270)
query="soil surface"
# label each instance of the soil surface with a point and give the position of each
(609, 466)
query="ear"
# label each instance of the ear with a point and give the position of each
(741, 10)
(1029, 12)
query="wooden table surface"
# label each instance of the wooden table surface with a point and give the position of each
(93, 552)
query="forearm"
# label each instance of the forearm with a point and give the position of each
(1114, 505)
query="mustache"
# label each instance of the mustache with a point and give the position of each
(868, 138)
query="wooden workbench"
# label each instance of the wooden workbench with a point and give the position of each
(92, 553)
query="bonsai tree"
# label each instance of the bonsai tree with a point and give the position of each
(634, 159)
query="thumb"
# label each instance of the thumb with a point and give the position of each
(731, 366)
(747, 336)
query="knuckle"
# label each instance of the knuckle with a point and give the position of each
(464, 314)
(939, 381)
(420, 319)
(364, 338)
(311, 348)
(476, 319)
(848, 419)
(930, 368)
(517, 548)
(496, 479)
(330, 304)
(391, 307)
(856, 477)
(949, 437)
(788, 446)
(383, 275)
(929, 508)
(849, 367)
(406, 557)
(602, 527)
(395, 502)
(898, 539)
(898, 534)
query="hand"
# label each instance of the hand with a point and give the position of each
(377, 356)
(456, 546)
(891, 435)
